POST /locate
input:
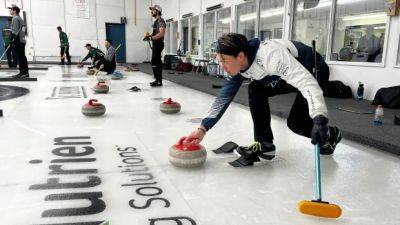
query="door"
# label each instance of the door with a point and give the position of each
(3, 22)
(185, 39)
(116, 33)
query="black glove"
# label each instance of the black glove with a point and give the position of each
(320, 130)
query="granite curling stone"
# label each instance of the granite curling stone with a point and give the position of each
(91, 72)
(170, 107)
(93, 108)
(101, 88)
(117, 75)
(187, 155)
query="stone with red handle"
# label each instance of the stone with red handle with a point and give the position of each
(93, 108)
(187, 155)
(170, 107)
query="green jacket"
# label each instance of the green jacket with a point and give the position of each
(6, 35)
(93, 53)
(63, 39)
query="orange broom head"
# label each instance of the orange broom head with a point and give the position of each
(320, 209)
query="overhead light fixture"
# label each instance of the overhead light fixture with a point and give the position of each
(225, 20)
(328, 3)
(264, 14)
(365, 16)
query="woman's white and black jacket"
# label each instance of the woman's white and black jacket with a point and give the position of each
(270, 62)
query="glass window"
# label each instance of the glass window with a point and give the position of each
(246, 17)
(223, 22)
(271, 19)
(209, 29)
(195, 34)
(174, 30)
(311, 22)
(167, 38)
(359, 32)
(184, 45)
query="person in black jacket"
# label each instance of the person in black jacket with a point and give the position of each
(157, 38)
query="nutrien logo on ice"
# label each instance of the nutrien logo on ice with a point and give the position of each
(76, 152)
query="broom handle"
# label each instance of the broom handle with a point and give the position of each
(5, 52)
(317, 174)
(315, 58)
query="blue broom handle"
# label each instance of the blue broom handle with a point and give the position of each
(317, 174)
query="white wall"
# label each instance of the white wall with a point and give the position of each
(373, 77)
(43, 16)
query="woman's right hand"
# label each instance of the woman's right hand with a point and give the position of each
(196, 136)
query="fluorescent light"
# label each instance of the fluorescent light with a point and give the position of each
(246, 17)
(328, 3)
(226, 20)
(264, 14)
(365, 16)
(272, 12)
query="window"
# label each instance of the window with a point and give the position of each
(311, 22)
(246, 17)
(271, 19)
(195, 35)
(223, 22)
(184, 45)
(209, 31)
(359, 31)
(174, 30)
(167, 38)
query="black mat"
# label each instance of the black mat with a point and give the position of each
(6, 79)
(355, 127)
(9, 92)
(31, 67)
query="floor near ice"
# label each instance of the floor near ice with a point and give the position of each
(115, 168)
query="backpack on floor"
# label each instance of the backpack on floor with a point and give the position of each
(336, 89)
(175, 63)
(184, 67)
(388, 97)
(168, 61)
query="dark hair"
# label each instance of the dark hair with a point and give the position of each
(232, 44)
(16, 9)
(9, 18)
(59, 28)
(109, 41)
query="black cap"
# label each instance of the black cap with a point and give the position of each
(15, 8)
(88, 45)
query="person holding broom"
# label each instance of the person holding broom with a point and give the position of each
(64, 45)
(275, 67)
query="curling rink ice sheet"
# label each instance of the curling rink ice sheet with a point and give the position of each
(59, 167)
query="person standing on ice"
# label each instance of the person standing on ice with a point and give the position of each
(274, 67)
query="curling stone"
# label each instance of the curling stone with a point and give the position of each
(117, 75)
(170, 107)
(187, 155)
(91, 72)
(101, 88)
(93, 108)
